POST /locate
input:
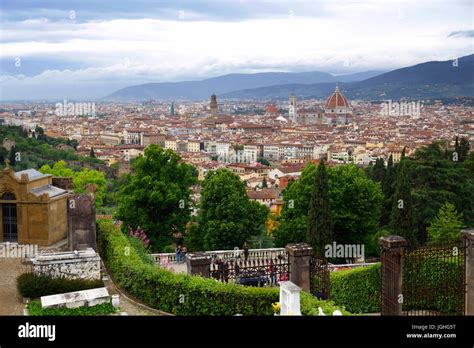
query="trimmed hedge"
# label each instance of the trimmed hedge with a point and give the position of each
(357, 289)
(164, 290)
(35, 309)
(442, 277)
(34, 286)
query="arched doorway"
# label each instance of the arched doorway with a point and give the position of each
(9, 222)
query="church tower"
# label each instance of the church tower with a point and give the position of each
(213, 106)
(292, 111)
(210, 121)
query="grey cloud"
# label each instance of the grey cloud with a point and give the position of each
(462, 33)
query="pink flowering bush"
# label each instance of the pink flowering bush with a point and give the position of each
(140, 235)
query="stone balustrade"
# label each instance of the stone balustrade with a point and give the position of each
(254, 254)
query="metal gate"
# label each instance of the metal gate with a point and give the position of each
(319, 278)
(433, 280)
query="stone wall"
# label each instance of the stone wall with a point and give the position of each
(84, 264)
(63, 182)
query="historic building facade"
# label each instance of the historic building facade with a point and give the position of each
(337, 110)
(32, 210)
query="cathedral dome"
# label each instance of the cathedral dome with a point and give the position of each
(337, 100)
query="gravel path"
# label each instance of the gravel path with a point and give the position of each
(11, 302)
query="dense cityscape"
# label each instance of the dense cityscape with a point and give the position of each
(215, 160)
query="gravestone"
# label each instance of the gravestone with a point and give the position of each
(290, 298)
(84, 264)
(81, 222)
(76, 299)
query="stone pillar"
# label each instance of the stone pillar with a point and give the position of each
(198, 264)
(81, 222)
(299, 257)
(391, 257)
(468, 239)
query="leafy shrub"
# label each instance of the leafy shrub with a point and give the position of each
(372, 242)
(34, 286)
(438, 275)
(182, 294)
(169, 249)
(35, 309)
(357, 289)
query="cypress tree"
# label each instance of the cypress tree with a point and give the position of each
(92, 153)
(12, 157)
(319, 231)
(401, 219)
(388, 189)
(463, 149)
(402, 156)
(264, 183)
(379, 171)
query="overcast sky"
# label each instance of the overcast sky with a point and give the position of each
(79, 49)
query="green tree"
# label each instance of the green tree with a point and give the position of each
(461, 148)
(379, 170)
(355, 202)
(402, 214)
(92, 153)
(319, 219)
(157, 195)
(227, 218)
(3, 155)
(293, 225)
(436, 180)
(12, 156)
(90, 181)
(446, 226)
(388, 189)
(263, 161)
(85, 180)
(264, 182)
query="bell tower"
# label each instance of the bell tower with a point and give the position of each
(292, 111)
(213, 106)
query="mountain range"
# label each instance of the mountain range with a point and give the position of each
(434, 79)
(198, 90)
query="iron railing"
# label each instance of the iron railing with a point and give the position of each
(254, 272)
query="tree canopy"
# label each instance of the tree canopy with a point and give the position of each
(157, 196)
(319, 221)
(227, 218)
(86, 180)
(355, 202)
(446, 226)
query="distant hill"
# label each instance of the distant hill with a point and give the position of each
(198, 90)
(426, 80)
